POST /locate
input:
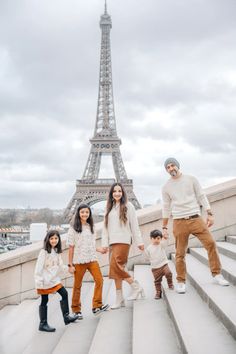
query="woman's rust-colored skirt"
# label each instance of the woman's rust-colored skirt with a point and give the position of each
(118, 259)
(50, 290)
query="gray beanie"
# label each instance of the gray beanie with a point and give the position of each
(171, 160)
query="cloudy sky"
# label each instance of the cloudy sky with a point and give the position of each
(174, 81)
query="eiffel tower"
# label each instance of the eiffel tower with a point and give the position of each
(92, 189)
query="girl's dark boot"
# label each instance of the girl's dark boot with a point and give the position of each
(43, 315)
(65, 312)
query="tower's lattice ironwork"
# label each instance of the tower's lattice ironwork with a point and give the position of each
(92, 189)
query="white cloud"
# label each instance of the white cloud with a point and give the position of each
(174, 88)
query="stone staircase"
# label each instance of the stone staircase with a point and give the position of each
(202, 321)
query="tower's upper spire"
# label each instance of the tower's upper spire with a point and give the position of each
(105, 11)
(105, 18)
(105, 122)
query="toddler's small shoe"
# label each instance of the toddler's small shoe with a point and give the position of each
(158, 295)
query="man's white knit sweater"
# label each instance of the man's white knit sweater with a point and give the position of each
(183, 197)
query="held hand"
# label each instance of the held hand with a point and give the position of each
(71, 270)
(102, 250)
(210, 220)
(141, 247)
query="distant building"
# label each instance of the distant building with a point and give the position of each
(38, 231)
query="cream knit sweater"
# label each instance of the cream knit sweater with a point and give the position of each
(183, 197)
(118, 232)
(48, 270)
(157, 254)
(84, 245)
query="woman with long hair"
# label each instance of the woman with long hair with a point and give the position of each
(120, 229)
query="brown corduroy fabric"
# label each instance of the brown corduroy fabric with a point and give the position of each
(118, 259)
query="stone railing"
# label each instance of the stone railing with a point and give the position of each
(17, 267)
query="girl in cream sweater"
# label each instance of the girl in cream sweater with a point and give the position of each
(48, 271)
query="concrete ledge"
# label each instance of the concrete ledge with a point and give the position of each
(221, 191)
(231, 239)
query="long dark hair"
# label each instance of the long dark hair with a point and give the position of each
(77, 222)
(46, 243)
(111, 202)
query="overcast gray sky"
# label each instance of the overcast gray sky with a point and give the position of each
(174, 81)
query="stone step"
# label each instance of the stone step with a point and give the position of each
(231, 239)
(199, 330)
(41, 342)
(114, 330)
(78, 336)
(228, 264)
(228, 249)
(220, 299)
(18, 327)
(153, 330)
(22, 323)
(7, 314)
